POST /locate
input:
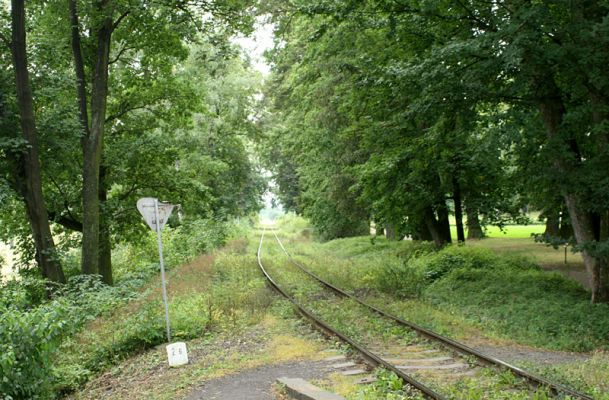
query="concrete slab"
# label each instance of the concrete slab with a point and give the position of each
(419, 361)
(300, 389)
(354, 372)
(432, 367)
(256, 383)
(335, 358)
(347, 364)
(425, 361)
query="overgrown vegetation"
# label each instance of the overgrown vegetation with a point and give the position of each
(469, 292)
(385, 337)
(45, 349)
(411, 114)
(509, 295)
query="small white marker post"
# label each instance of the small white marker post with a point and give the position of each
(156, 215)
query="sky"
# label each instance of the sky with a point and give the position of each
(254, 46)
(257, 43)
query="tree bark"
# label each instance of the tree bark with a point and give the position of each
(444, 223)
(566, 230)
(458, 210)
(474, 229)
(105, 244)
(552, 223)
(31, 186)
(390, 232)
(434, 227)
(92, 151)
(79, 69)
(552, 111)
(421, 232)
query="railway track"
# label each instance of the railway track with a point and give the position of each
(435, 354)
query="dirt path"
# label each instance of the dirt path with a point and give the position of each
(256, 383)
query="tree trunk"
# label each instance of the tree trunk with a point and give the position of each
(552, 223)
(421, 232)
(458, 210)
(582, 221)
(597, 268)
(105, 244)
(474, 229)
(434, 228)
(566, 230)
(31, 186)
(444, 223)
(390, 232)
(92, 151)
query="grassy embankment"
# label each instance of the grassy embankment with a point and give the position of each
(471, 292)
(227, 333)
(219, 305)
(386, 337)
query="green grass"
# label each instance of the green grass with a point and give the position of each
(508, 231)
(491, 288)
(219, 304)
(208, 314)
(366, 327)
(505, 294)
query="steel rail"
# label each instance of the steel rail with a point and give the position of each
(368, 356)
(537, 381)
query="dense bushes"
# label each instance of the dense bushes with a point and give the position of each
(511, 295)
(27, 339)
(33, 330)
(30, 332)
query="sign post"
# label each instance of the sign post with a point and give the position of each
(156, 215)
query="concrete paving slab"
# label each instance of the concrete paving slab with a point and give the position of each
(335, 358)
(354, 372)
(432, 367)
(300, 389)
(347, 364)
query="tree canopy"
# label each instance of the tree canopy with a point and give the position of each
(404, 112)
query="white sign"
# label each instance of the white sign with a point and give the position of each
(153, 211)
(146, 207)
(177, 354)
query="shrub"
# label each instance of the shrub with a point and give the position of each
(27, 340)
(514, 297)
(401, 279)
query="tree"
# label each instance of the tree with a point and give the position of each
(27, 175)
(544, 60)
(138, 29)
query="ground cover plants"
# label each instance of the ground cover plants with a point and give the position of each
(471, 292)
(52, 347)
(381, 335)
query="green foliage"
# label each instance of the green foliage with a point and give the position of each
(588, 376)
(193, 238)
(507, 294)
(31, 329)
(387, 386)
(27, 342)
(227, 296)
(34, 330)
(400, 111)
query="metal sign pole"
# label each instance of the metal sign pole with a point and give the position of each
(160, 242)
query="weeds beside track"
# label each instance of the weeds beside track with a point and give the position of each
(540, 384)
